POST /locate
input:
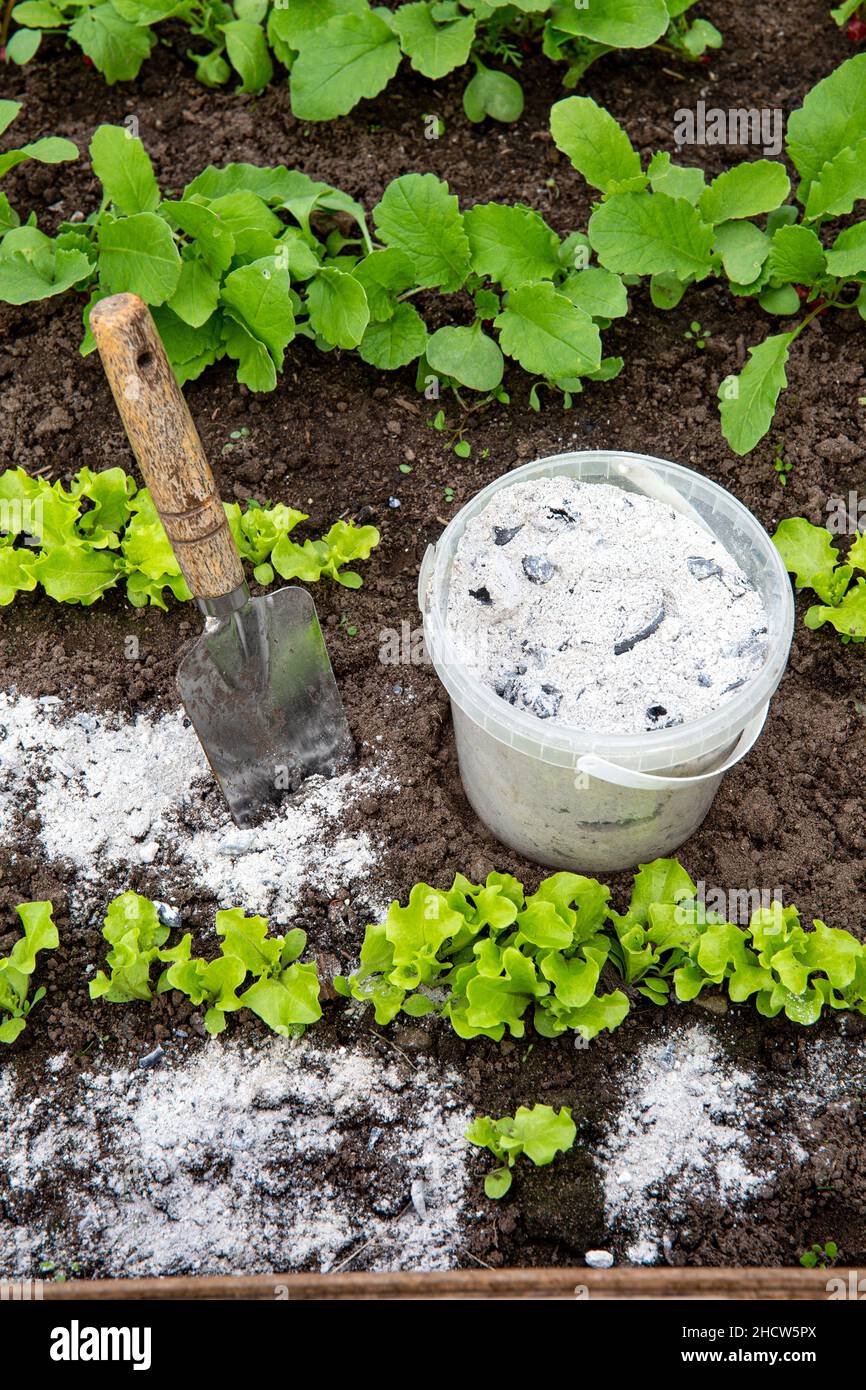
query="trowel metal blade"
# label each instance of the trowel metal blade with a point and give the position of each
(259, 689)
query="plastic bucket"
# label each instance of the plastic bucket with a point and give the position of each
(595, 802)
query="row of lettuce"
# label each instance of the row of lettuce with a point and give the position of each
(77, 543)
(489, 958)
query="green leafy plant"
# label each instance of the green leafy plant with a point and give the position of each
(484, 956)
(812, 558)
(667, 934)
(337, 52)
(78, 542)
(284, 993)
(40, 934)
(695, 334)
(137, 938)
(539, 1133)
(226, 275)
(667, 223)
(820, 1256)
(49, 150)
(782, 466)
(849, 16)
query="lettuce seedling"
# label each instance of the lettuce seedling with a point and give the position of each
(539, 1133)
(40, 934)
(812, 558)
(659, 923)
(484, 955)
(214, 983)
(136, 935)
(284, 994)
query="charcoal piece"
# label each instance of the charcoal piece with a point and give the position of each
(507, 686)
(541, 699)
(482, 595)
(657, 717)
(564, 514)
(626, 643)
(503, 534)
(704, 680)
(734, 685)
(545, 702)
(703, 569)
(537, 569)
(752, 646)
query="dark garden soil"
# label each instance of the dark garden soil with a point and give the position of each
(330, 439)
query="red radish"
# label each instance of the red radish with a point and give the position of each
(856, 29)
(802, 291)
(88, 61)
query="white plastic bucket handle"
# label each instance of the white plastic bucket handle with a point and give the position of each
(607, 771)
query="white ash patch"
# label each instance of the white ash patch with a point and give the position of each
(112, 791)
(681, 1134)
(602, 609)
(227, 1162)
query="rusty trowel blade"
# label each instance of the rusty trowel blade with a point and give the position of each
(260, 692)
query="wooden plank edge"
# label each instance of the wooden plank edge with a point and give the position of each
(562, 1284)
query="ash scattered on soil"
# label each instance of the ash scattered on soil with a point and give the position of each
(238, 1159)
(331, 440)
(110, 793)
(681, 1131)
(702, 1131)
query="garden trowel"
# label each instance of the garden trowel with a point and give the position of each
(258, 684)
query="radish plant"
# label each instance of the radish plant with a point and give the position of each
(49, 150)
(665, 222)
(248, 258)
(16, 969)
(76, 543)
(337, 52)
(540, 1133)
(851, 16)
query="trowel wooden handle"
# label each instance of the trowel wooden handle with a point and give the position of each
(166, 443)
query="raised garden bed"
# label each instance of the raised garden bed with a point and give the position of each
(706, 1135)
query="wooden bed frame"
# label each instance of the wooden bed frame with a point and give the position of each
(577, 1284)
